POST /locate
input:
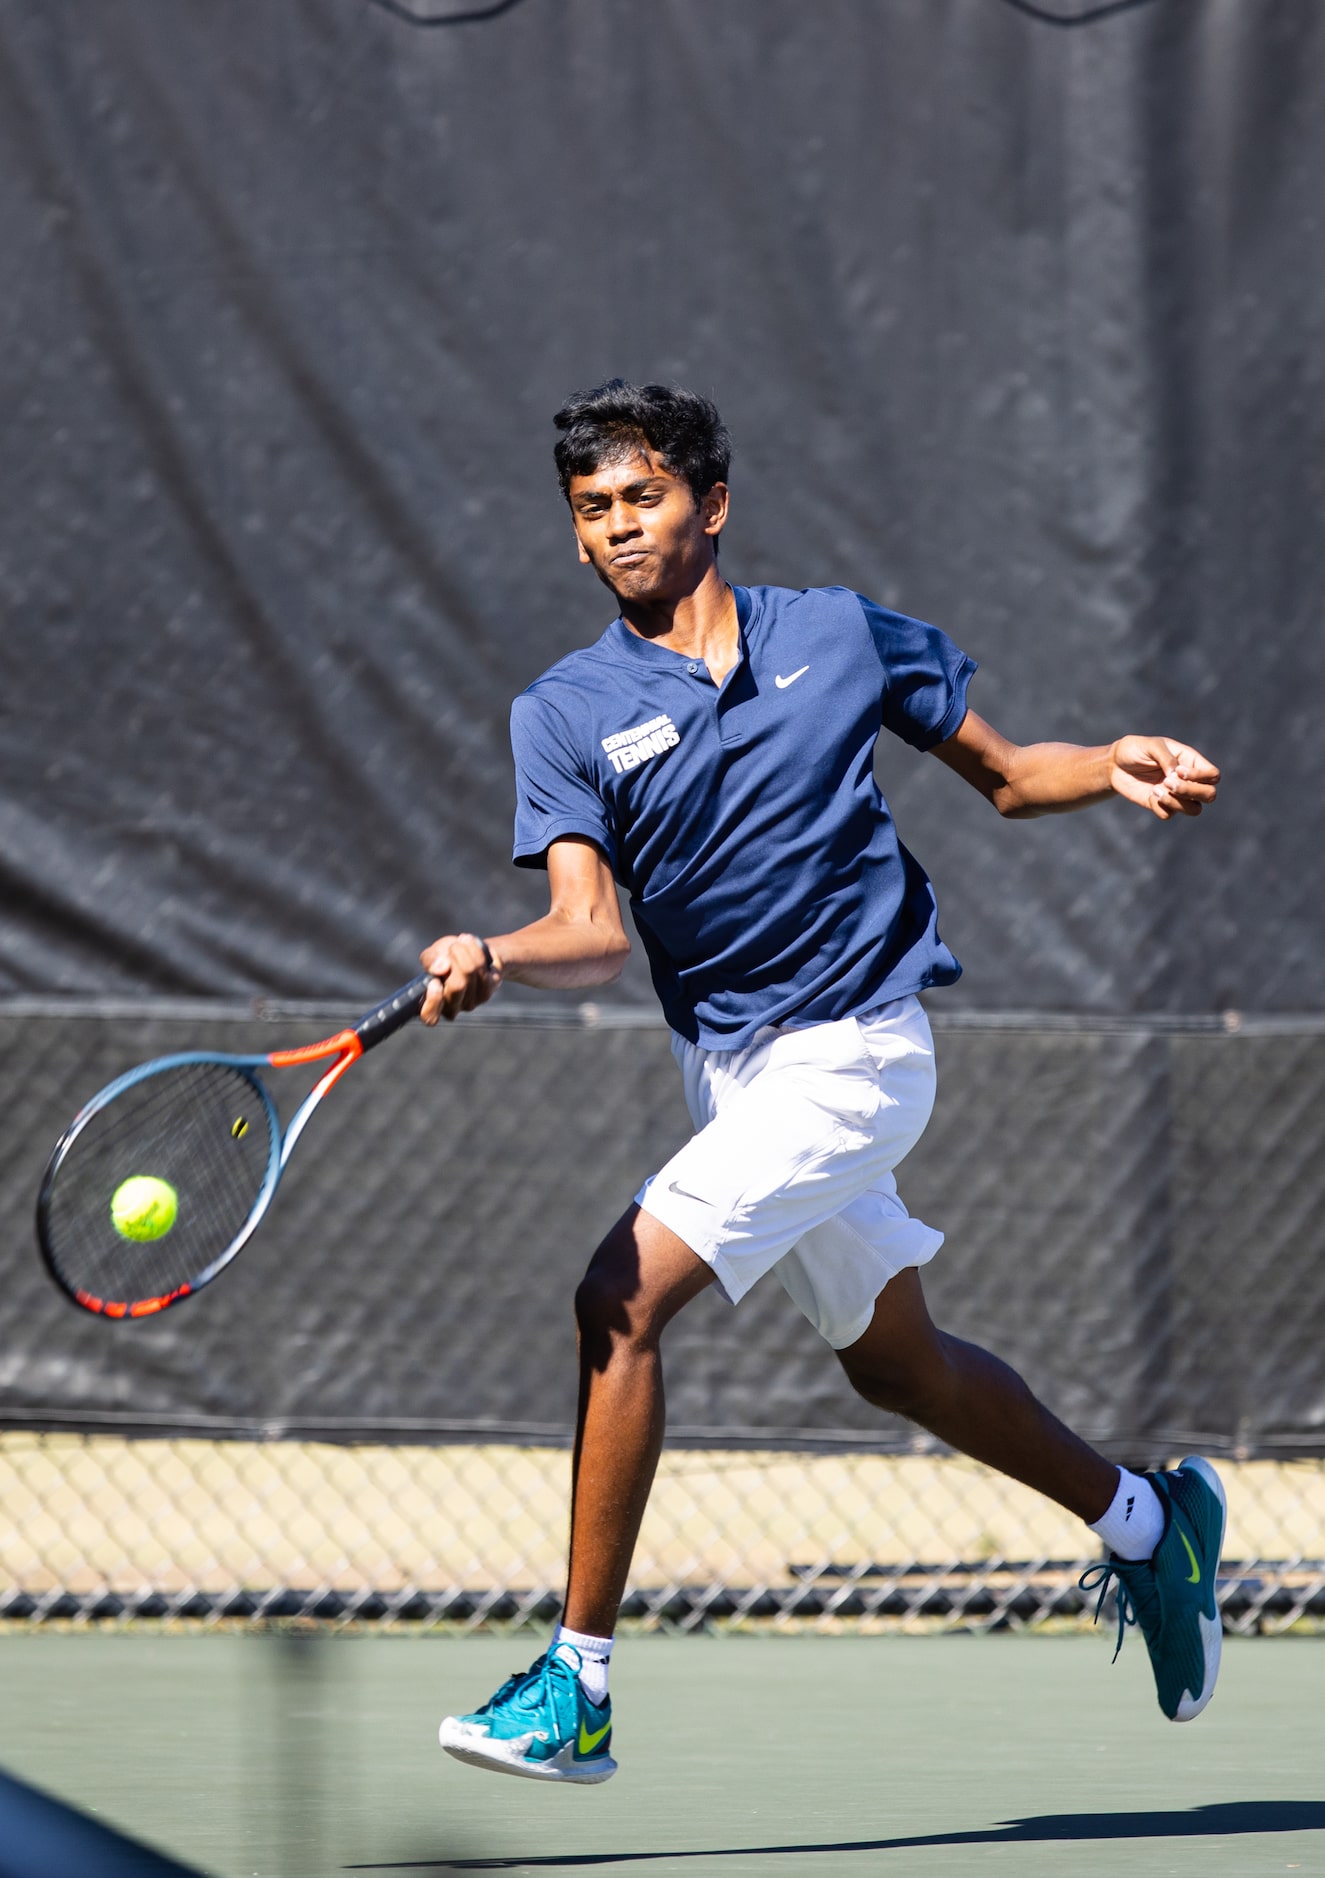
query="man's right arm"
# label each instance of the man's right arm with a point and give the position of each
(579, 941)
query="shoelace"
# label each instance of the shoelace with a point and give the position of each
(513, 1683)
(1103, 1575)
(528, 1687)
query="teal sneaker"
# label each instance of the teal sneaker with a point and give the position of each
(1172, 1595)
(540, 1725)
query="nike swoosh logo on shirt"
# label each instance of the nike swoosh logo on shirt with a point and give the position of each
(685, 1193)
(588, 1742)
(782, 682)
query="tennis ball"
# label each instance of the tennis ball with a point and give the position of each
(143, 1207)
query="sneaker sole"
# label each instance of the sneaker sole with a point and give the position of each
(573, 1773)
(1212, 1633)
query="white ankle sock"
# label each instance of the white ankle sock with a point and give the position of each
(593, 1653)
(1134, 1523)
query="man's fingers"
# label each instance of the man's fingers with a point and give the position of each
(464, 991)
(437, 960)
(432, 1003)
(1166, 777)
(1191, 783)
(1135, 788)
(1185, 765)
(1164, 756)
(1168, 799)
(459, 964)
(453, 991)
(1195, 767)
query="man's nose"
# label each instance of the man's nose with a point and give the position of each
(622, 521)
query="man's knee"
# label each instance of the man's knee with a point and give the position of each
(618, 1297)
(604, 1296)
(908, 1383)
(638, 1279)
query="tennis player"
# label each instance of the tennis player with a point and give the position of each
(712, 754)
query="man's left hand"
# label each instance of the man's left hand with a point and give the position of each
(1165, 777)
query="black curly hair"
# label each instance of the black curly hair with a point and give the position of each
(616, 420)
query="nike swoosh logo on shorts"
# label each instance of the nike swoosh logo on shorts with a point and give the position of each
(685, 1193)
(782, 682)
(588, 1742)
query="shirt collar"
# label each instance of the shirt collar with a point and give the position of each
(623, 639)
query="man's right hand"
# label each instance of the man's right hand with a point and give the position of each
(463, 977)
(578, 941)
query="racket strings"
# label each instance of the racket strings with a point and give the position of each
(204, 1130)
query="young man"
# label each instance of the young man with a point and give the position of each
(712, 753)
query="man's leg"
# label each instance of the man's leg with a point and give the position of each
(638, 1280)
(972, 1401)
(555, 1722)
(975, 1403)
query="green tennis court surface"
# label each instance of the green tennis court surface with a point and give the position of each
(740, 1756)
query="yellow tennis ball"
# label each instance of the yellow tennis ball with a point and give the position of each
(144, 1207)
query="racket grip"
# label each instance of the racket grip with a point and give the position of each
(393, 1013)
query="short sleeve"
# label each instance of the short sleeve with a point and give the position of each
(554, 797)
(925, 676)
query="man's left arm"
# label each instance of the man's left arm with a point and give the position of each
(1157, 773)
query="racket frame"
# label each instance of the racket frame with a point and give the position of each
(346, 1047)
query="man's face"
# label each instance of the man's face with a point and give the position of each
(641, 530)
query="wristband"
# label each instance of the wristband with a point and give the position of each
(489, 963)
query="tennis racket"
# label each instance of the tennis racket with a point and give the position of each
(163, 1177)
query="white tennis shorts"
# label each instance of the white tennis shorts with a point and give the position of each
(791, 1169)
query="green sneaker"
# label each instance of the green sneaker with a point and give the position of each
(539, 1725)
(1172, 1594)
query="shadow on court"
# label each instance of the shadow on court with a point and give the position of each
(41, 1837)
(1218, 1821)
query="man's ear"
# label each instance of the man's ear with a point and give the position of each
(713, 507)
(579, 548)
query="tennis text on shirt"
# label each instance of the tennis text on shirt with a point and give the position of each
(627, 749)
(766, 878)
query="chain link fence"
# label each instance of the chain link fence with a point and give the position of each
(98, 1527)
(1134, 1211)
(366, 1419)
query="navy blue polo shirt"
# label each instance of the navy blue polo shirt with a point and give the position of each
(765, 875)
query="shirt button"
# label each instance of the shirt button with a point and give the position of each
(692, 669)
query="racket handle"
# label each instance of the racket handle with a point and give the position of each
(393, 1013)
